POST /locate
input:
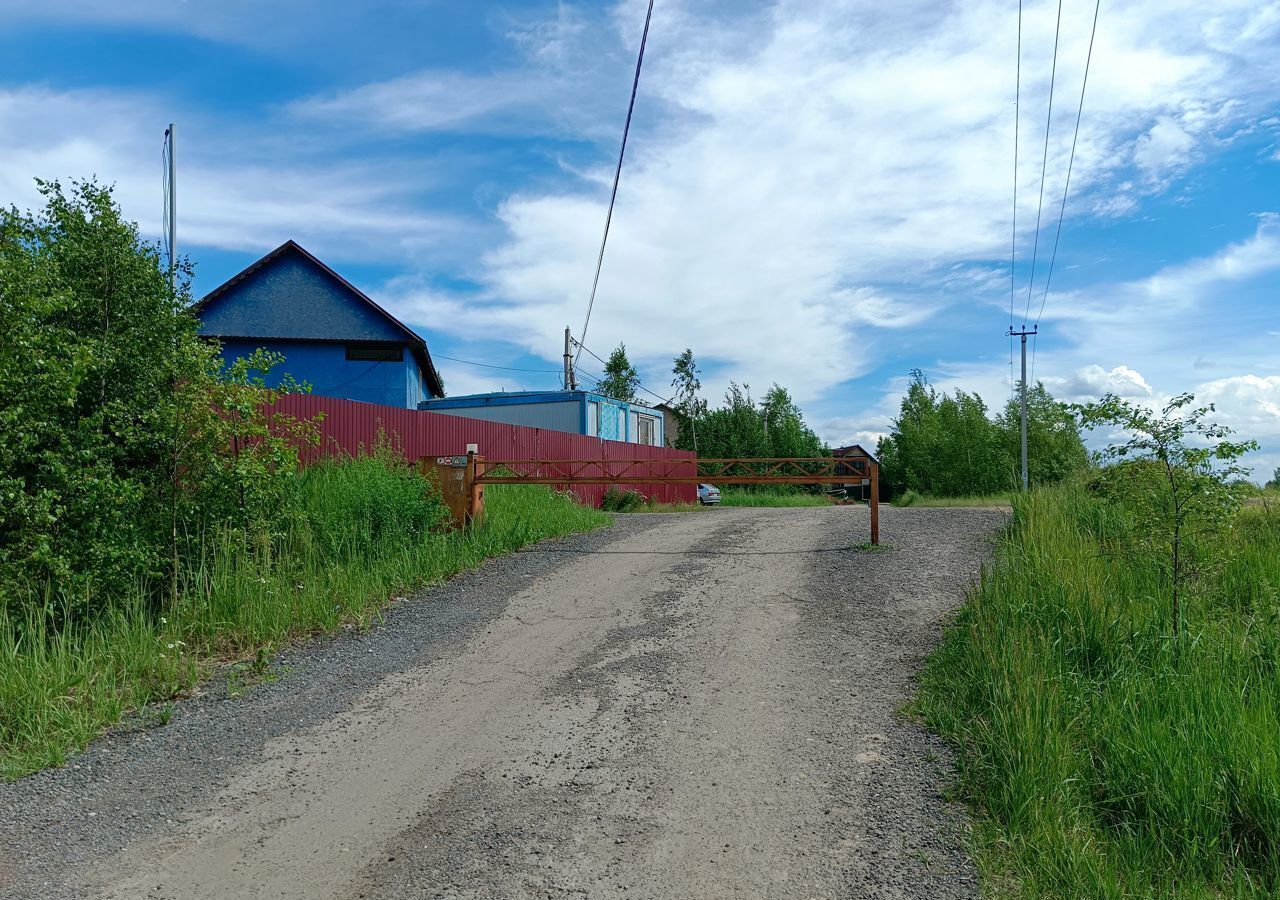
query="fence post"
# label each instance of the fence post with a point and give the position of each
(474, 491)
(875, 503)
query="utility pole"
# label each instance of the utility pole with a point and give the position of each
(171, 213)
(1022, 333)
(570, 384)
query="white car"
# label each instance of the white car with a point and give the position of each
(708, 495)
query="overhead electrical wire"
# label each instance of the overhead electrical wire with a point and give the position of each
(617, 176)
(1062, 209)
(490, 366)
(582, 347)
(1013, 241)
(1044, 163)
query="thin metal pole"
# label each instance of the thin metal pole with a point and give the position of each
(1023, 397)
(172, 213)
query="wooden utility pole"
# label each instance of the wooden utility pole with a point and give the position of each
(570, 384)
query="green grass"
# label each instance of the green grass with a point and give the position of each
(358, 533)
(911, 498)
(744, 497)
(1105, 757)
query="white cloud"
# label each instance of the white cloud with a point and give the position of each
(784, 203)
(249, 201)
(1091, 382)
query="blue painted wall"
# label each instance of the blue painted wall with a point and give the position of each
(331, 374)
(293, 298)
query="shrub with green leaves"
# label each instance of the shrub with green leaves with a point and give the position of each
(617, 500)
(122, 438)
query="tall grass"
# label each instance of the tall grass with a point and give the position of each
(356, 533)
(773, 497)
(1107, 757)
(911, 498)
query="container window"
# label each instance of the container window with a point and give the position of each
(645, 431)
(593, 418)
(372, 352)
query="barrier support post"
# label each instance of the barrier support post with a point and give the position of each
(875, 503)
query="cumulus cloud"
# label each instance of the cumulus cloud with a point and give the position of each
(1091, 382)
(788, 200)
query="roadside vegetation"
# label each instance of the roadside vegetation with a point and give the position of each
(1111, 686)
(771, 497)
(911, 498)
(155, 522)
(948, 445)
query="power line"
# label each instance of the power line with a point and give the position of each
(1062, 210)
(1071, 160)
(617, 174)
(1017, 102)
(1044, 163)
(582, 347)
(489, 366)
(1013, 240)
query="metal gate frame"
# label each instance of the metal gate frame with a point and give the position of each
(852, 469)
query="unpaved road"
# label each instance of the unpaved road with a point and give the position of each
(684, 706)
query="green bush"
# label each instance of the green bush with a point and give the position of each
(122, 438)
(617, 500)
(907, 498)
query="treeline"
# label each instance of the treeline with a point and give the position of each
(947, 445)
(740, 427)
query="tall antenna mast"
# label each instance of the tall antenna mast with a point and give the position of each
(171, 208)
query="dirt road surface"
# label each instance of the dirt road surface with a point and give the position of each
(683, 706)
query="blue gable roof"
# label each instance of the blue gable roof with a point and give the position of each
(291, 295)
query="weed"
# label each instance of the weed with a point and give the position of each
(617, 500)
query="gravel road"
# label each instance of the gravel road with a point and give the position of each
(682, 706)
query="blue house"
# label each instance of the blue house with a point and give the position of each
(577, 412)
(330, 333)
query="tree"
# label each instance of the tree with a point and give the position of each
(1174, 473)
(110, 443)
(620, 377)
(688, 405)
(1055, 449)
(943, 445)
(947, 445)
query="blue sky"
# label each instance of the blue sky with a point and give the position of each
(817, 193)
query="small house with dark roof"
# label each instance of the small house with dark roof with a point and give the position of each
(330, 333)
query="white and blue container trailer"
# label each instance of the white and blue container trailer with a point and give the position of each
(575, 412)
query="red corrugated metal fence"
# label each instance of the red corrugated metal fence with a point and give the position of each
(351, 427)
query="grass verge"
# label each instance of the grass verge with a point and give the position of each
(911, 498)
(741, 497)
(1104, 756)
(358, 533)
